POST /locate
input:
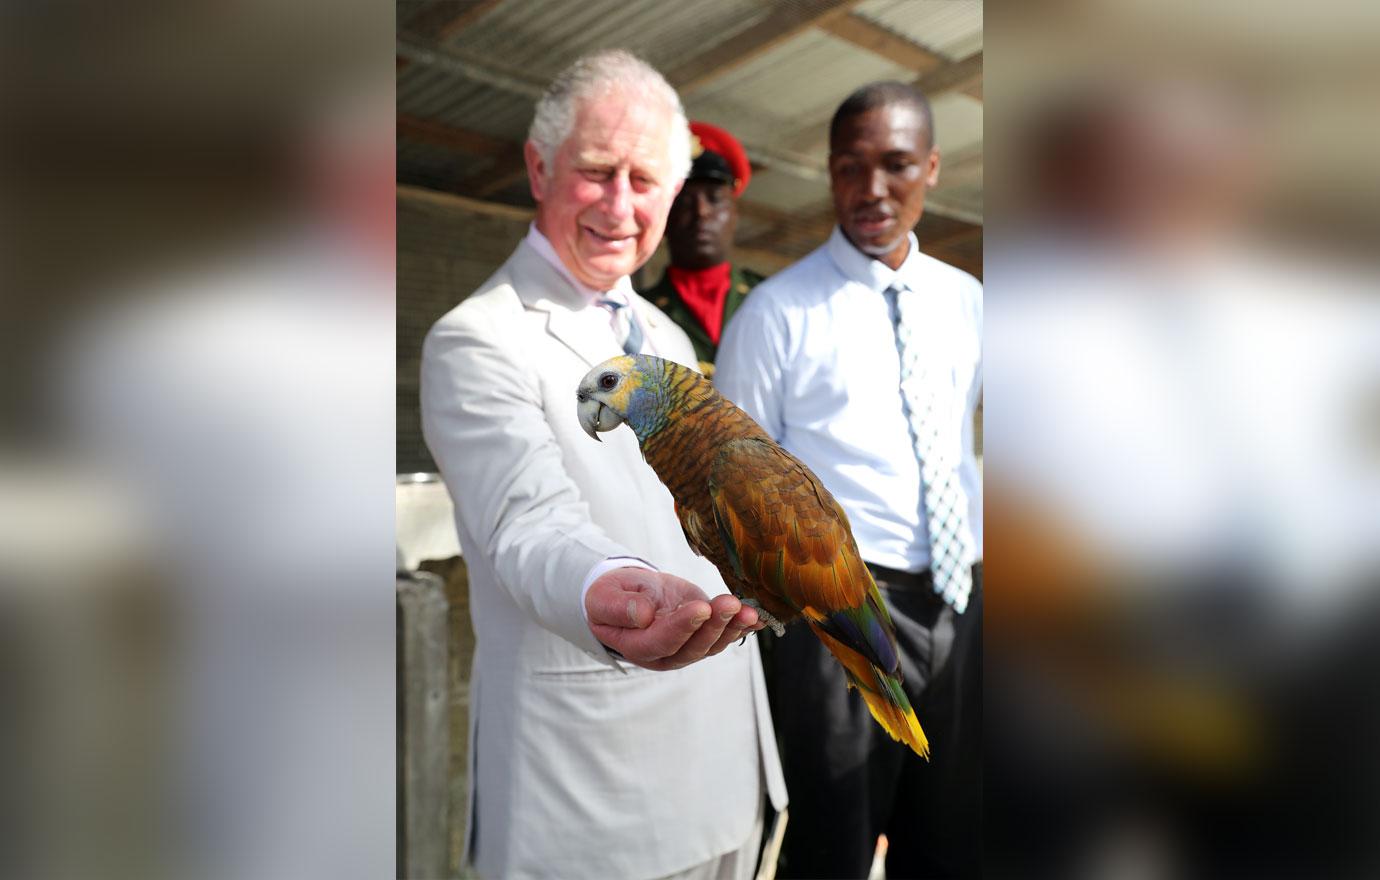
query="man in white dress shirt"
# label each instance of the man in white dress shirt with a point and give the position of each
(584, 766)
(840, 357)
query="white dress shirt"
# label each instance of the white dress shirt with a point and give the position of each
(618, 293)
(811, 355)
(542, 245)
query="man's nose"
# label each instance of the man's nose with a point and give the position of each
(876, 183)
(703, 208)
(618, 196)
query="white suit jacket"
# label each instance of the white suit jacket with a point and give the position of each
(578, 768)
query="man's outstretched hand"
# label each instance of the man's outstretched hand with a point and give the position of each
(659, 621)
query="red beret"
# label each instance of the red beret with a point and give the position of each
(710, 139)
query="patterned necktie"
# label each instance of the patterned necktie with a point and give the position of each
(625, 325)
(946, 509)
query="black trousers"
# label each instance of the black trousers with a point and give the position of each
(850, 782)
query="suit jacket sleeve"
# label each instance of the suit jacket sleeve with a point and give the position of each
(484, 421)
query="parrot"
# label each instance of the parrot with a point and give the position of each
(780, 540)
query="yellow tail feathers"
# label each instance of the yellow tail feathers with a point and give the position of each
(895, 715)
(900, 722)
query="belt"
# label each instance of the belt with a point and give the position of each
(893, 579)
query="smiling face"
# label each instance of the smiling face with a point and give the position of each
(880, 168)
(603, 199)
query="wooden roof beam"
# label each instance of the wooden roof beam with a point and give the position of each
(785, 21)
(441, 21)
(507, 170)
(881, 41)
(955, 76)
(427, 130)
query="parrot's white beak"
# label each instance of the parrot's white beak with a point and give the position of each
(595, 416)
(596, 391)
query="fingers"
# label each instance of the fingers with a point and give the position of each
(661, 621)
(731, 634)
(608, 603)
(706, 639)
(742, 623)
(661, 639)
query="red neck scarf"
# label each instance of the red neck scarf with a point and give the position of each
(704, 291)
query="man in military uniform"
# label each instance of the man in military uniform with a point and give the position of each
(701, 290)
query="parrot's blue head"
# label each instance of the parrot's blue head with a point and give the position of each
(636, 389)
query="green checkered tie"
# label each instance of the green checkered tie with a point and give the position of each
(923, 399)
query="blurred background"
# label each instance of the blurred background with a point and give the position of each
(196, 363)
(1183, 439)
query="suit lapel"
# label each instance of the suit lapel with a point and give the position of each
(542, 289)
(566, 326)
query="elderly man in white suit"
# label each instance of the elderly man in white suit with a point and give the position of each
(619, 725)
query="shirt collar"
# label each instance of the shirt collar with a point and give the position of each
(863, 269)
(543, 246)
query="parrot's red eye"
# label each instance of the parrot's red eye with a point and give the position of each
(607, 381)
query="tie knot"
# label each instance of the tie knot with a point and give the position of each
(893, 302)
(625, 325)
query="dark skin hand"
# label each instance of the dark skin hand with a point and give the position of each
(659, 621)
(700, 228)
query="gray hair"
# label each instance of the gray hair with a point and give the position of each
(612, 71)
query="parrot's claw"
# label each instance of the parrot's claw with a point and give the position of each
(762, 614)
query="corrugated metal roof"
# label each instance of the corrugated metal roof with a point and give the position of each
(957, 122)
(789, 93)
(805, 77)
(542, 38)
(435, 166)
(455, 100)
(779, 101)
(950, 27)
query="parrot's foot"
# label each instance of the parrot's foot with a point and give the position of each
(776, 626)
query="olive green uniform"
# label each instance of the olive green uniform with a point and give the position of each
(665, 297)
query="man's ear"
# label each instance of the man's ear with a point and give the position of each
(538, 175)
(932, 169)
